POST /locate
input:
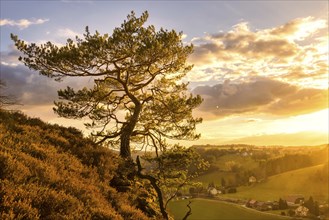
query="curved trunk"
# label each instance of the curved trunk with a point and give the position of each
(127, 132)
(126, 170)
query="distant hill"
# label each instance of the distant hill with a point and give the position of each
(52, 172)
(310, 181)
(250, 146)
(281, 170)
(284, 139)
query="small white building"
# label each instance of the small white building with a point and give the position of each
(212, 191)
(252, 179)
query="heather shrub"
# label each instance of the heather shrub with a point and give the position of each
(52, 172)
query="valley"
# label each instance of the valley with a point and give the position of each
(265, 175)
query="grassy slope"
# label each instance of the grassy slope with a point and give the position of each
(293, 182)
(52, 172)
(203, 209)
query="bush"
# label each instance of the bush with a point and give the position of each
(232, 190)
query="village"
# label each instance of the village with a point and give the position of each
(296, 206)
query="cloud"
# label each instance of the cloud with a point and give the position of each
(27, 86)
(259, 96)
(296, 50)
(303, 101)
(10, 56)
(299, 29)
(305, 138)
(241, 41)
(22, 23)
(30, 88)
(67, 33)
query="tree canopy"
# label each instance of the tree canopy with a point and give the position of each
(138, 94)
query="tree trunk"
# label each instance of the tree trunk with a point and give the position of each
(126, 170)
(125, 145)
(125, 151)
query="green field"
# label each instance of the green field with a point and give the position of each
(223, 172)
(204, 209)
(299, 181)
(215, 177)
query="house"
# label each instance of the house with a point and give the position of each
(275, 205)
(251, 203)
(295, 200)
(301, 211)
(262, 206)
(212, 191)
(270, 205)
(252, 179)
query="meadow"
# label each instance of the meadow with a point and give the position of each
(299, 181)
(203, 209)
(280, 171)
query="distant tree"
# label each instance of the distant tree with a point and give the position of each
(312, 206)
(223, 182)
(283, 204)
(316, 208)
(233, 166)
(211, 184)
(238, 178)
(232, 190)
(192, 191)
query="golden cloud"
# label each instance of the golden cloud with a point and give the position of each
(296, 50)
(259, 96)
(303, 101)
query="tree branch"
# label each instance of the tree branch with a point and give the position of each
(154, 184)
(189, 212)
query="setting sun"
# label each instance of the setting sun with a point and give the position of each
(317, 121)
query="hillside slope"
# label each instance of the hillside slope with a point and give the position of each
(310, 181)
(52, 172)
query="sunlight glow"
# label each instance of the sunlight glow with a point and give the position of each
(317, 121)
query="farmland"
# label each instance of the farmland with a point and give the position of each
(211, 209)
(279, 172)
(292, 182)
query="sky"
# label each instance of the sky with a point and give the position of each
(260, 66)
